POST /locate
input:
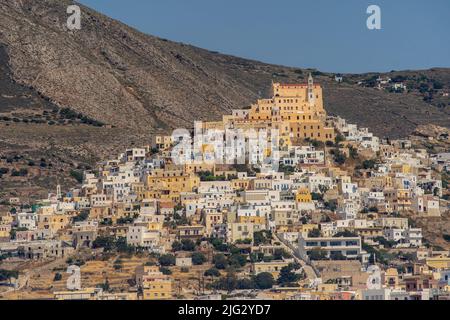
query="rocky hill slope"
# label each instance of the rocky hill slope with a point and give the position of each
(122, 77)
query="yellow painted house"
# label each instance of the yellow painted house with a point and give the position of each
(240, 231)
(53, 222)
(252, 219)
(240, 184)
(306, 228)
(162, 142)
(5, 230)
(303, 196)
(401, 168)
(438, 262)
(155, 285)
(6, 218)
(170, 183)
(272, 267)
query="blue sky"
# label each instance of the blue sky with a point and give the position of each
(329, 35)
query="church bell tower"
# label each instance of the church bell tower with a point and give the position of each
(311, 97)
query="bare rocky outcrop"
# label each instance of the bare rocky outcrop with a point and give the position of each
(122, 77)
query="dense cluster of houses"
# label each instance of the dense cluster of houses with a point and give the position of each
(312, 205)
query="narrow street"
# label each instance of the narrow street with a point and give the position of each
(309, 271)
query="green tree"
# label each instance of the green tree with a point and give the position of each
(385, 242)
(230, 281)
(237, 260)
(243, 241)
(339, 157)
(345, 233)
(437, 85)
(219, 245)
(316, 196)
(77, 175)
(166, 271)
(213, 272)
(369, 164)
(286, 169)
(167, 260)
(57, 277)
(353, 152)
(256, 257)
(177, 246)
(279, 254)
(331, 205)
(118, 264)
(264, 280)
(125, 220)
(105, 242)
(105, 286)
(8, 275)
(82, 216)
(262, 237)
(198, 258)
(314, 233)
(121, 245)
(287, 276)
(245, 284)
(188, 245)
(220, 261)
(339, 138)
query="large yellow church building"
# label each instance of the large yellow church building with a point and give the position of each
(296, 110)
